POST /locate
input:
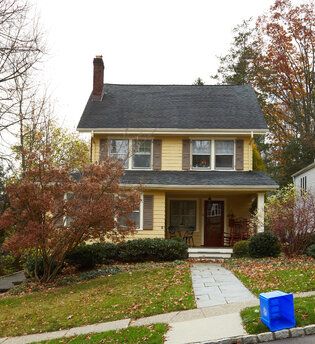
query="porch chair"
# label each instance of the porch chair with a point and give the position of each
(189, 236)
(171, 232)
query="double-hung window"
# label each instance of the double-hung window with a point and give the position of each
(133, 218)
(142, 151)
(201, 154)
(224, 155)
(183, 214)
(118, 149)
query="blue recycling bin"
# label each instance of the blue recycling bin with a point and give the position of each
(277, 310)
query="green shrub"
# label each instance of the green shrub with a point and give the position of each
(141, 250)
(264, 244)
(86, 257)
(311, 251)
(106, 253)
(240, 249)
(31, 262)
(8, 264)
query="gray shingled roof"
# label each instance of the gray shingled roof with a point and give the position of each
(174, 106)
(200, 178)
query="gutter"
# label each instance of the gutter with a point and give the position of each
(172, 131)
(206, 187)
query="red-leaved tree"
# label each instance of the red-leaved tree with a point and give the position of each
(52, 210)
(291, 217)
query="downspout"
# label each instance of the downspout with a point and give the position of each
(91, 145)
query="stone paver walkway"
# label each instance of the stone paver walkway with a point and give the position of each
(214, 285)
(7, 282)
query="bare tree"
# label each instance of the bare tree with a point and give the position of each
(21, 47)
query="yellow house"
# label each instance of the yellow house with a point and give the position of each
(190, 148)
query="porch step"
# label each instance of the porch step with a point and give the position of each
(209, 252)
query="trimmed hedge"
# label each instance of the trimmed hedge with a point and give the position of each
(240, 249)
(86, 257)
(264, 244)
(142, 250)
(311, 251)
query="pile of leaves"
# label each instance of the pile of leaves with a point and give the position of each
(286, 274)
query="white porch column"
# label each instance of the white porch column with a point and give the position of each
(261, 212)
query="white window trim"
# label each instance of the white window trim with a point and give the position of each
(131, 157)
(233, 163)
(191, 156)
(141, 213)
(212, 156)
(130, 153)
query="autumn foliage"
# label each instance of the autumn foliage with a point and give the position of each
(291, 217)
(52, 210)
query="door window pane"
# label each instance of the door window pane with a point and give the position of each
(183, 214)
(224, 154)
(118, 149)
(201, 153)
(141, 154)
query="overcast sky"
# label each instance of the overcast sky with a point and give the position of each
(142, 42)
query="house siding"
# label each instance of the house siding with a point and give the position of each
(172, 150)
(158, 230)
(172, 153)
(310, 180)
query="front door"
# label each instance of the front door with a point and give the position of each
(214, 223)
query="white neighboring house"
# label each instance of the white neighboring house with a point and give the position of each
(304, 180)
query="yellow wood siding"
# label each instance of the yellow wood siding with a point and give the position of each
(248, 154)
(172, 153)
(158, 230)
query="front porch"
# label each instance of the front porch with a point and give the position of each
(211, 222)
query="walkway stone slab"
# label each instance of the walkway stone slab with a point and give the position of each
(205, 329)
(154, 319)
(97, 328)
(214, 285)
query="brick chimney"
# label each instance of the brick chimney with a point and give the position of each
(98, 77)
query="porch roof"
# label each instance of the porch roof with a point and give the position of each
(202, 179)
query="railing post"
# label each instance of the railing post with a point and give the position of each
(261, 212)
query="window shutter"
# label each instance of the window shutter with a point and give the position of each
(148, 212)
(239, 155)
(103, 149)
(186, 155)
(157, 154)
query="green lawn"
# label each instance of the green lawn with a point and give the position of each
(139, 293)
(132, 335)
(262, 275)
(304, 311)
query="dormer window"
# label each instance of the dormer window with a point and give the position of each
(224, 155)
(118, 149)
(141, 158)
(201, 154)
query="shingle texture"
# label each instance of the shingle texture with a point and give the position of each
(206, 178)
(174, 106)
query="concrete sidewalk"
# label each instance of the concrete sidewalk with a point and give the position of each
(180, 317)
(183, 324)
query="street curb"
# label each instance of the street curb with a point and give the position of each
(265, 337)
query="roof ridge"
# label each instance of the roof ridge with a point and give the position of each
(119, 84)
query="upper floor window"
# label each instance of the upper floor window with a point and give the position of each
(142, 154)
(119, 149)
(201, 154)
(224, 155)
